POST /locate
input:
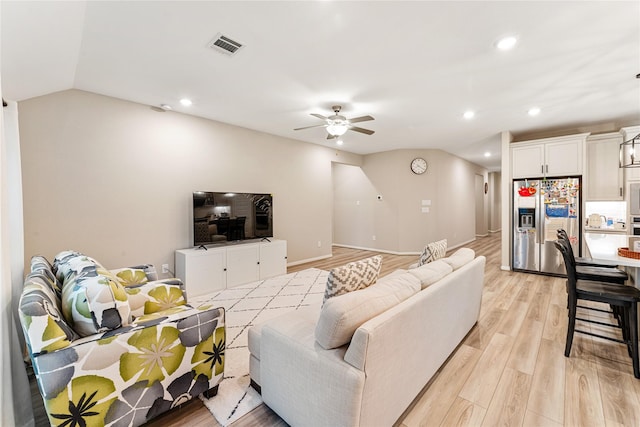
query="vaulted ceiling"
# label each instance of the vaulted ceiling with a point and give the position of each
(415, 66)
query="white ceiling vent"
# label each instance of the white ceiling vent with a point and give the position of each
(224, 44)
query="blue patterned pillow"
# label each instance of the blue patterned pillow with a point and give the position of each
(353, 276)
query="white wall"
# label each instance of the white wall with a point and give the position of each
(397, 221)
(113, 179)
(495, 202)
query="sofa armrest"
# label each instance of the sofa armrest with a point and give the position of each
(132, 374)
(152, 297)
(153, 348)
(293, 367)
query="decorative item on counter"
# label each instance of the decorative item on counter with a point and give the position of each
(625, 252)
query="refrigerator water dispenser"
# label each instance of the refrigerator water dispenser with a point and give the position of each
(526, 218)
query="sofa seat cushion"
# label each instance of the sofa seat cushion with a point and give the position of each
(430, 273)
(309, 313)
(459, 258)
(353, 276)
(341, 316)
(156, 296)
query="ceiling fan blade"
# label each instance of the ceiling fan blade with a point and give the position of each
(320, 116)
(361, 130)
(361, 119)
(309, 127)
(329, 136)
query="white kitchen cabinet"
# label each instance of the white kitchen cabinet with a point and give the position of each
(220, 267)
(549, 157)
(604, 178)
(527, 161)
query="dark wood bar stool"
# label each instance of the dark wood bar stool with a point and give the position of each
(623, 298)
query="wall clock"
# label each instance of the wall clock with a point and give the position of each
(418, 166)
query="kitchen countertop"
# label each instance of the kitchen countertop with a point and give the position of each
(588, 229)
(604, 246)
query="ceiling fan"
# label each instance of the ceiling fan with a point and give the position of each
(337, 124)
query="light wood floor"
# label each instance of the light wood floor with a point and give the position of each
(510, 370)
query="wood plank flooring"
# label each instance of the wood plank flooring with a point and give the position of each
(510, 369)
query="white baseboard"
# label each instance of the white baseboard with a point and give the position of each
(460, 244)
(304, 261)
(396, 252)
(505, 268)
(384, 251)
(495, 231)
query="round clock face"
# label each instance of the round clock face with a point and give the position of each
(418, 166)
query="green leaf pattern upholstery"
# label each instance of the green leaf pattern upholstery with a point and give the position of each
(168, 353)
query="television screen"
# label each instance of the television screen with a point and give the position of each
(224, 217)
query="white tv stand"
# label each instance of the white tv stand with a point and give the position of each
(227, 265)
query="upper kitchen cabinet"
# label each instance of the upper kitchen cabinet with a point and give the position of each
(604, 180)
(549, 157)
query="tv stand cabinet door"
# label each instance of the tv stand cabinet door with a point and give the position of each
(273, 259)
(201, 271)
(242, 264)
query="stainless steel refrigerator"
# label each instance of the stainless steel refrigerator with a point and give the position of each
(540, 207)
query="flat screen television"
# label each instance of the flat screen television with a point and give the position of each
(226, 217)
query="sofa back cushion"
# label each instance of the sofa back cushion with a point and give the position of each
(41, 265)
(93, 299)
(68, 264)
(430, 273)
(42, 322)
(342, 315)
(459, 258)
(352, 276)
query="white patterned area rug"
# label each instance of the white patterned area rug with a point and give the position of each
(246, 305)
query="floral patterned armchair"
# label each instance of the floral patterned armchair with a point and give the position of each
(116, 347)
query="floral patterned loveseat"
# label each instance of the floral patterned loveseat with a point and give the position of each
(116, 347)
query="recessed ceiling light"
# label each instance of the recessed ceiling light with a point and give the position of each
(487, 154)
(469, 114)
(339, 142)
(506, 43)
(186, 102)
(165, 106)
(534, 111)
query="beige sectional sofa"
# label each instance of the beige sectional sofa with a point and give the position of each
(362, 358)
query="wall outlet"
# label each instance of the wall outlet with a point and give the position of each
(165, 268)
(319, 244)
(373, 237)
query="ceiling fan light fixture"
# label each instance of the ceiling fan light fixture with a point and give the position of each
(337, 127)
